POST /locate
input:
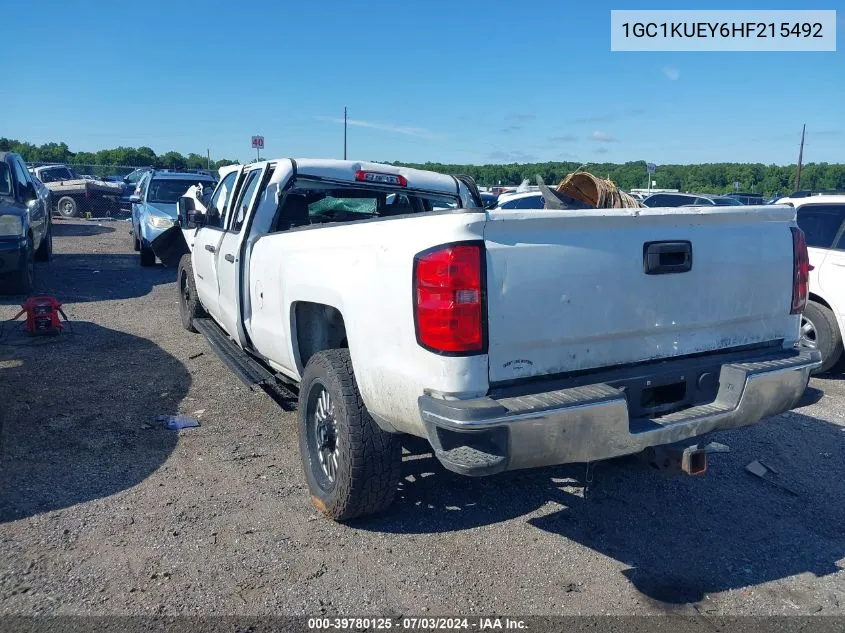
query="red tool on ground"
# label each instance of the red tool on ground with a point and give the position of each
(42, 315)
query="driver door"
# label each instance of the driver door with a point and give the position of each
(207, 244)
(229, 260)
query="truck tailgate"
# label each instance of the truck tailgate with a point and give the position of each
(567, 290)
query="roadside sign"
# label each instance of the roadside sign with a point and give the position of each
(258, 142)
(651, 167)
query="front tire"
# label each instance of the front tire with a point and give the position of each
(190, 307)
(22, 281)
(45, 249)
(820, 331)
(351, 465)
(67, 207)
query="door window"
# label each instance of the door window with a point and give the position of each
(822, 224)
(219, 199)
(252, 180)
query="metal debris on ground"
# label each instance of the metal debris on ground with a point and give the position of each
(176, 422)
(768, 474)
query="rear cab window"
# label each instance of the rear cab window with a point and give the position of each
(314, 202)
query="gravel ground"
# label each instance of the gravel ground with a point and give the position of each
(103, 512)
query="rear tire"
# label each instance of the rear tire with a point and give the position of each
(67, 207)
(351, 465)
(820, 331)
(190, 307)
(148, 257)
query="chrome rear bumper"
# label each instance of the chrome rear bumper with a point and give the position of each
(589, 423)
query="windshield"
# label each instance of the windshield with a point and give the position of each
(169, 190)
(56, 174)
(5, 180)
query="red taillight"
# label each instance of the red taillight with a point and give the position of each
(800, 271)
(449, 299)
(380, 178)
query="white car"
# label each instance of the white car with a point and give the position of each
(398, 305)
(822, 218)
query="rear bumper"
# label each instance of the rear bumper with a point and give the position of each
(12, 254)
(592, 422)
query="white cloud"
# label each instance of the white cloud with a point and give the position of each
(602, 137)
(672, 73)
(385, 127)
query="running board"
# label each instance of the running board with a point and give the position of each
(250, 371)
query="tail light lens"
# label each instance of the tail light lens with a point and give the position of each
(800, 272)
(449, 299)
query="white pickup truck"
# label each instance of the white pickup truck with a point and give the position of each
(507, 339)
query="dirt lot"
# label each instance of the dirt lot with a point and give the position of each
(101, 511)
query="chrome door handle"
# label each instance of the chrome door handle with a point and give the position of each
(210, 248)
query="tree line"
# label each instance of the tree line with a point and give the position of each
(703, 178)
(119, 156)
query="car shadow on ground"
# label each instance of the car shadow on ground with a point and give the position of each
(78, 277)
(61, 229)
(681, 537)
(73, 427)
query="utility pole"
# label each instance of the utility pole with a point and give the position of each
(344, 132)
(208, 159)
(800, 160)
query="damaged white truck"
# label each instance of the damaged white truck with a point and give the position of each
(508, 340)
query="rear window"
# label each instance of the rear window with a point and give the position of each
(56, 174)
(317, 203)
(822, 224)
(728, 202)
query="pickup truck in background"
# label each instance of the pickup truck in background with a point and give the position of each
(26, 232)
(507, 339)
(74, 194)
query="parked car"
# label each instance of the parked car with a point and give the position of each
(688, 200)
(822, 218)
(26, 232)
(746, 198)
(489, 199)
(129, 182)
(154, 206)
(72, 193)
(506, 340)
(529, 200)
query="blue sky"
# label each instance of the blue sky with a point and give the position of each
(461, 81)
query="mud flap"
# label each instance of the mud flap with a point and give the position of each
(170, 246)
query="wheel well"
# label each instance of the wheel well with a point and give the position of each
(318, 327)
(818, 299)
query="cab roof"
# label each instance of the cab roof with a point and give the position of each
(345, 170)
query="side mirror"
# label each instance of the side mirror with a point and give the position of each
(135, 198)
(197, 219)
(185, 208)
